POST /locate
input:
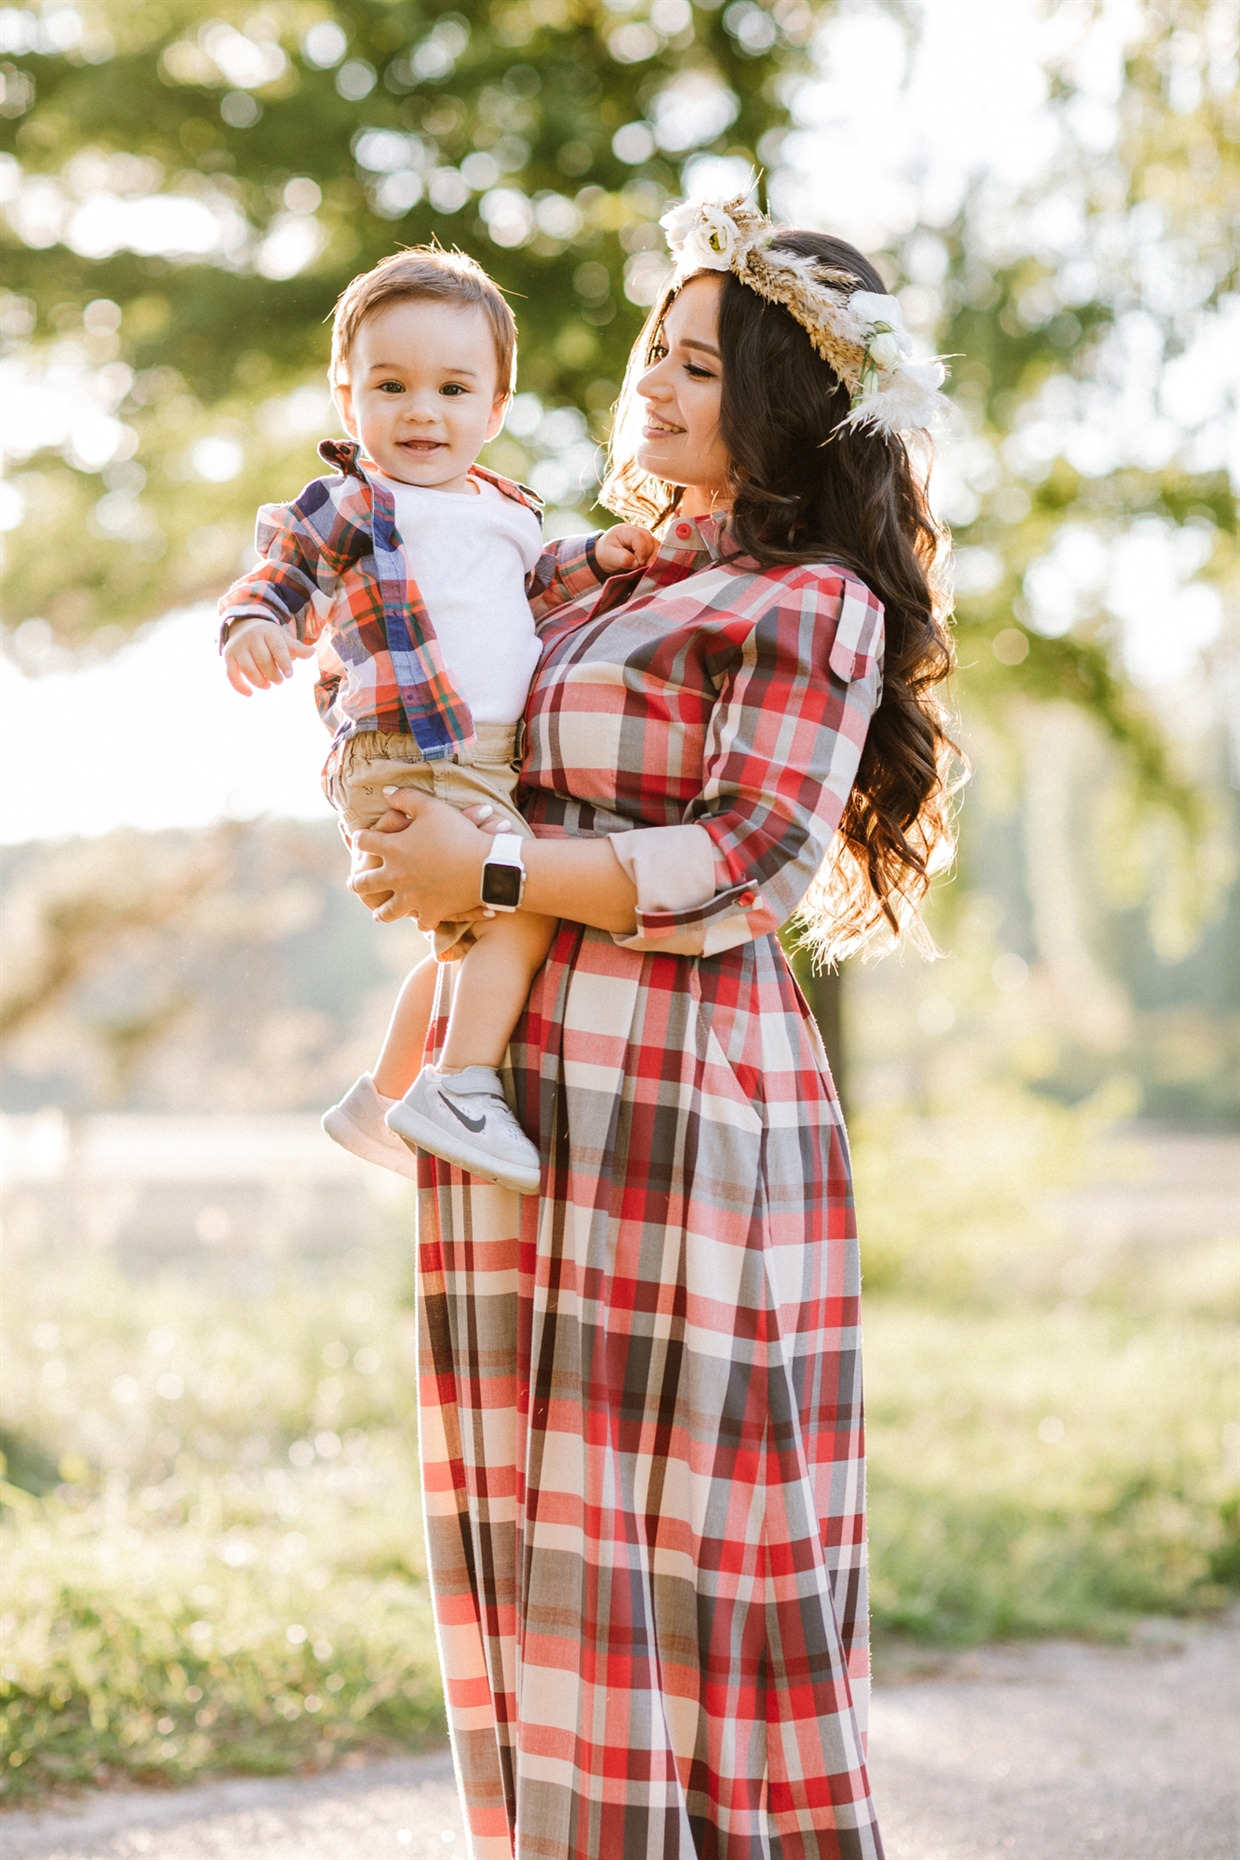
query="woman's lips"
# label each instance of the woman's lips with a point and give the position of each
(662, 432)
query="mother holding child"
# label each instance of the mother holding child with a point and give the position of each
(639, 1392)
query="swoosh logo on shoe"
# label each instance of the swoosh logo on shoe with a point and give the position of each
(471, 1123)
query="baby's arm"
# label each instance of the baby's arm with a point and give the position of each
(259, 653)
(573, 566)
(269, 616)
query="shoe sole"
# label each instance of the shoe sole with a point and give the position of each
(413, 1128)
(341, 1128)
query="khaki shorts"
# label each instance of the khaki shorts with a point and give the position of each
(373, 760)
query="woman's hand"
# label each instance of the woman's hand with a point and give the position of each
(429, 867)
(485, 816)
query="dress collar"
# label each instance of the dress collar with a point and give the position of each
(707, 535)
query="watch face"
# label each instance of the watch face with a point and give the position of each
(501, 885)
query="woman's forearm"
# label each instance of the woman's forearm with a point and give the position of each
(581, 880)
(431, 869)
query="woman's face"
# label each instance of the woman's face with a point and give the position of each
(681, 391)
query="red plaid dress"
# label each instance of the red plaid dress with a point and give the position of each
(640, 1396)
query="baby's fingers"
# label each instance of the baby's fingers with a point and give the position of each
(235, 674)
(279, 660)
(260, 670)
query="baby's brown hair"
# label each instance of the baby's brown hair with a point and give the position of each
(423, 272)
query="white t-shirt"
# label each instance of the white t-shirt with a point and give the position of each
(469, 552)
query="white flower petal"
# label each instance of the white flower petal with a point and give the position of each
(873, 307)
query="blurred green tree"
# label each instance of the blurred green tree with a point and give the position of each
(1094, 321)
(189, 196)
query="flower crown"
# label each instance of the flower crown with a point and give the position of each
(859, 334)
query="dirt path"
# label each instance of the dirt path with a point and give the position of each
(1044, 1753)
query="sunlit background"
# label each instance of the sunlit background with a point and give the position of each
(211, 1485)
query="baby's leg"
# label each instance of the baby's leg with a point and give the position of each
(492, 983)
(400, 1057)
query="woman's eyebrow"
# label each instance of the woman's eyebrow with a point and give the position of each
(708, 348)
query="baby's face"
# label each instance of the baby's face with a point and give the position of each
(423, 395)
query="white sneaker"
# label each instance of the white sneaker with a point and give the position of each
(464, 1119)
(356, 1124)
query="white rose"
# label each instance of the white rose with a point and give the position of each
(883, 314)
(677, 222)
(702, 251)
(884, 351)
(720, 231)
(874, 308)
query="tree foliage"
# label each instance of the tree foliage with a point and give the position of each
(545, 136)
(188, 196)
(1090, 320)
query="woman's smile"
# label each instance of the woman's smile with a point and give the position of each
(681, 391)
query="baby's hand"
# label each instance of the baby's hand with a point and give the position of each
(624, 547)
(260, 653)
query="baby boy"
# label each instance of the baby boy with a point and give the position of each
(407, 575)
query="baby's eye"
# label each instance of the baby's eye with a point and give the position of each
(391, 387)
(453, 388)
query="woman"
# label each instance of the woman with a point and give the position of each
(640, 1394)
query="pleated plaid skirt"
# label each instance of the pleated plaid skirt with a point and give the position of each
(639, 1394)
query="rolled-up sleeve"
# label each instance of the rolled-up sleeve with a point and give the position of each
(567, 569)
(783, 746)
(284, 583)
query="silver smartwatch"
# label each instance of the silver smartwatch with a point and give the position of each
(503, 874)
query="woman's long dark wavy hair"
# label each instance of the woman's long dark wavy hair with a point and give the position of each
(805, 488)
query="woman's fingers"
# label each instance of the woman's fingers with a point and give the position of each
(370, 840)
(392, 822)
(407, 801)
(486, 817)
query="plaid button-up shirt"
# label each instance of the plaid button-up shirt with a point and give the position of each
(333, 572)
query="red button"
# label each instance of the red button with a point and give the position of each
(684, 529)
(747, 898)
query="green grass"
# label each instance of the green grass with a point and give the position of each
(213, 1555)
(1057, 1471)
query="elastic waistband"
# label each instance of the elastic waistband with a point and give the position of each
(496, 745)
